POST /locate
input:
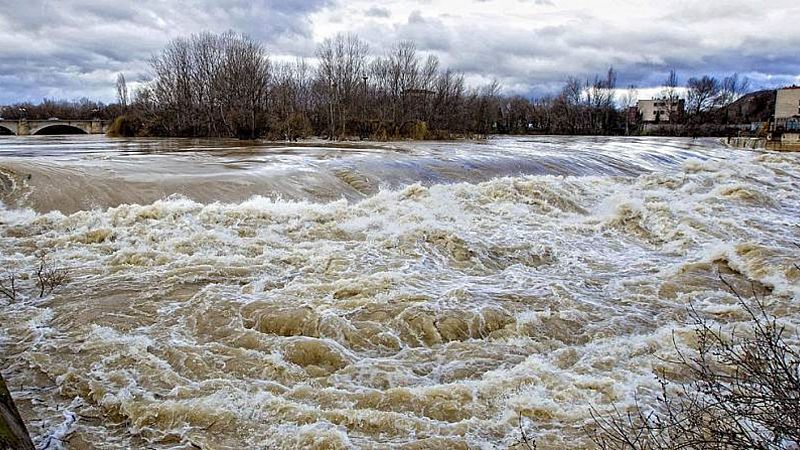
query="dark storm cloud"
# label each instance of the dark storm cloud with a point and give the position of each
(536, 54)
(73, 48)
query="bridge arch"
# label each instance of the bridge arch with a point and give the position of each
(58, 128)
(5, 131)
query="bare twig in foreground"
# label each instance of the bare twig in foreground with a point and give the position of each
(744, 393)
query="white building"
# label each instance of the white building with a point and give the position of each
(660, 110)
(787, 108)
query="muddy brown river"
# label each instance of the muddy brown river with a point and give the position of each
(429, 295)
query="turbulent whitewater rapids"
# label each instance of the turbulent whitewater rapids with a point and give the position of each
(410, 295)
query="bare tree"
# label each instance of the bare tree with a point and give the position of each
(600, 101)
(524, 440)
(571, 102)
(448, 104)
(487, 107)
(427, 82)
(49, 277)
(671, 95)
(122, 91)
(744, 392)
(291, 100)
(702, 94)
(403, 74)
(629, 99)
(630, 96)
(242, 84)
(518, 114)
(46, 279)
(342, 65)
(8, 285)
(209, 84)
(733, 88)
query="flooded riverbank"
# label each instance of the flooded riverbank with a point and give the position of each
(411, 295)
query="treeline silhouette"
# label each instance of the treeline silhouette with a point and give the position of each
(226, 85)
(81, 109)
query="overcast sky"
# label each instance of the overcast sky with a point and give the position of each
(74, 48)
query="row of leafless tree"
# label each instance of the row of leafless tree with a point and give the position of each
(67, 110)
(207, 85)
(707, 94)
(226, 85)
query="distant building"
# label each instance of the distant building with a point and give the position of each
(787, 108)
(787, 102)
(660, 110)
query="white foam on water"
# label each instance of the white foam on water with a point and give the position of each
(426, 313)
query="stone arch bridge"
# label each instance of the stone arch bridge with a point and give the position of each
(53, 126)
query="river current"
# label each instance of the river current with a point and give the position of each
(226, 295)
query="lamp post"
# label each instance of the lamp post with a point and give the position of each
(22, 125)
(331, 101)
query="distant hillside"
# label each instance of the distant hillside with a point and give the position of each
(753, 107)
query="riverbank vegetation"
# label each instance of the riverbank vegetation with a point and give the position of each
(43, 281)
(80, 109)
(740, 390)
(226, 85)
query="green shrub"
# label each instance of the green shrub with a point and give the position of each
(419, 131)
(124, 126)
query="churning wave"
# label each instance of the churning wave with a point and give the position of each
(419, 315)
